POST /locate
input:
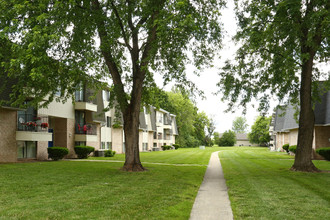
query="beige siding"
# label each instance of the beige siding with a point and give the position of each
(42, 153)
(293, 137)
(117, 140)
(58, 109)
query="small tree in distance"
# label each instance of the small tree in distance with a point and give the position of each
(260, 131)
(228, 138)
(239, 125)
(216, 138)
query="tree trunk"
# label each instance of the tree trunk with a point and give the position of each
(303, 156)
(131, 128)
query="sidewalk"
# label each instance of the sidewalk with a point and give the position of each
(212, 201)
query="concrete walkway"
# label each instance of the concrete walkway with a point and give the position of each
(212, 201)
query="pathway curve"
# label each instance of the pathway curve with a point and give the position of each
(212, 201)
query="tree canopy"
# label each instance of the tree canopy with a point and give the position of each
(280, 41)
(58, 43)
(228, 139)
(193, 125)
(239, 125)
(260, 131)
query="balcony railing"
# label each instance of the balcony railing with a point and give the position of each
(88, 129)
(33, 123)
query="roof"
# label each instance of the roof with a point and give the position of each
(239, 136)
(284, 118)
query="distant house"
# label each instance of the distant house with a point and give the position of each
(286, 127)
(242, 140)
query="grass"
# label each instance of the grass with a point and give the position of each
(179, 156)
(262, 187)
(96, 190)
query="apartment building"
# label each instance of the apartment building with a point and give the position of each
(286, 126)
(27, 133)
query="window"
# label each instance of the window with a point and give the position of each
(27, 149)
(155, 135)
(80, 122)
(160, 117)
(106, 95)
(109, 145)
(80, 143)
(102, 145)
(144, 146)
(108, 121)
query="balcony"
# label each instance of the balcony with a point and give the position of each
(85, 106)
(82, 102)
(32, 123)
(88, 129)
(32, 128)
(85, 132)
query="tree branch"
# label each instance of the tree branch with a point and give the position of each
(109, 60)
(121, 26)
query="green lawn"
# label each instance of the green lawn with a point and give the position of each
(99, 190)
(262, 187)
(180, 156)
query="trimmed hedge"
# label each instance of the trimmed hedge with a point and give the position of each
(286, 147)
(324, 152)
(293, 148)
(83, 151)
(109, 153)
(57, 153)
(166, 147)
(176, 146)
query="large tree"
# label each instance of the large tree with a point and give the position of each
(239, 125)
(280, 41)
(124, 40)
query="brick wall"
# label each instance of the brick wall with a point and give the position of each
(322, 136)
(8, 148)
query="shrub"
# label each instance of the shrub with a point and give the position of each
(57, 153)
(83, 151)
(176, 146)
(166, 147)
(324, 152)
(109, 153)
(286, 147)
(228, 138)
(293, 148)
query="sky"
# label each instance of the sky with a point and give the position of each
(212, 105)
(208, 79)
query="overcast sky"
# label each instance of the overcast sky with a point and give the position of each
(208, 79)
(212, 105)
